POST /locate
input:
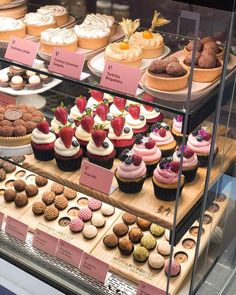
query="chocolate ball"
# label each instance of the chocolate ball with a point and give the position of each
(6, 131)
(31, 190)
(60, 202)
(19, 131)
(5, 123)
(158, 67)
(27, 117)
(57, 188)
(2, 175)
(129, 218)
(135, 235)
(120, 229)
(38, 208)
(175, 69)
(208, 39)
(30, 126)
(18, 122)
(48, 197)
(126, 247)
(188, 59)
(190, 45)
(51, 213)
(19, 185)
(40, 181)
(212, 47)
(171, 59)
(21, 200)
(110, 241)
(207, 61)
(9, 195)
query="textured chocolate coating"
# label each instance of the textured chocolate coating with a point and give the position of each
(190, 45)
(120, 229)
(48, 197)
(40, 181)
(38, 208)
(9, 167)
(208, 39)
(2, 174)
(57, 188)
(135, 234)
(60, 202)
(207, 61)
(19, 131)
(158, 67)
(188, 58)
(110, 241)
(212, 46)
(171, 59)
(6, 131)
(175, 69)
(51, 213)
(126, 247)
(19, 185)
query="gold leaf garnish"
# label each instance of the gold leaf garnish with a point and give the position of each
(129, 27)
(158, 21)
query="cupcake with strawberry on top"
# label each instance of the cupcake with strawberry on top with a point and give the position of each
(118, 107)
(177, 128)
(79, 109)
(102, 117)
(151, 154)
(136, 121)
(60, 119)
(95, 99)
(68, 153)
(165, 179)
(100, 150)
(121, 135)
(160, 133)
(200, 142)
(42, 142)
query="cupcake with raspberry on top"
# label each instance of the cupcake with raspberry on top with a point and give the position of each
(136, 121)
(102, 117)
(177, 129)
(118, 107)
(79, 109)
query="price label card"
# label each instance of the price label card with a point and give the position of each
(66, 63)
(69, 253)
(96, 177)
(16, 228)
(22, 51)
(1, 219)
(120, 77)
(6, 99)
(147, 289)
(94, 267)
(45, 242)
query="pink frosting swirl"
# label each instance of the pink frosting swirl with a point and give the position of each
(166, 176)
(187, 162)
(177, 126)
(199, 147)
(148, 155)
(160, 141)
(130, 171)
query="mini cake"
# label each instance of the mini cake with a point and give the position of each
(131, 172)
(156, 261)
(148, 242)
(100, 150)
(107, 210)
(79, 109)
(136, 121)
(10, 27)
(177, 128)
(111, 241)
(106, 21)
(37, 23)
(152, 115)
(68, 153)
(165, 179)
(175, 268)
(135, 235)
(120, 135)
(17, 83)
(83, 132)
(58, 38)
(150, 153)
(59, 13)
(42, 142)
(120, 229)
(140, 254)
(200, 142)
(164, 139)
(102, 117)
(190, 162)
(126, 247)
(118, 107)
(60, 119)
(95, 99)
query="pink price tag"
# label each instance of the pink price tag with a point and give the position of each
(22, 51)
(6, 99)
(16, 228)
(96, 177)
(66, 63)
(94, 267)
(147, 289)
(1, 219)
(120, 77)
(45, 242)
(69, 253)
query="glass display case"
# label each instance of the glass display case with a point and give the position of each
(117, 145)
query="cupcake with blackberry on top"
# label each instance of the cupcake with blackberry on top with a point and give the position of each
(102, 117)
(68, 153)
(121, 135)
(100, 150)
(79, 109)
(118, 107)
(42, 142)
(95, 99)
(60, 119)
(165, 179)
(136, 121)
(200, 142)
(131, 172)
(160, 133)
(190, 162)
(177, 129)
(150, 153)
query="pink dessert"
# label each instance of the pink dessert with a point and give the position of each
(85, 214)
(94, 204)
(175, 268)
(177, 124)
(76, 225)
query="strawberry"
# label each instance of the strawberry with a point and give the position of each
(81, 103)
(188, 153)
(66, 134)
(102, 111)
(174, 166)
(118, 124)
(120, 103)
(43, 127)
(162, 132)
(134, 111)
(148, 97)
(207, 136)
(87, 123)
(98, 136)
(98, 95)
(136, 159)
(148, 108)
(61, 114)
(150, 144)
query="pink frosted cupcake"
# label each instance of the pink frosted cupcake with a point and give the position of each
(177, 128)
(131, 172)
(150, 153)
(200, 142)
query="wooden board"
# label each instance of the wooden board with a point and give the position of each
(134, 271)
(145, 204)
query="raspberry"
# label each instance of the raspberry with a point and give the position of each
(150, 144)
(174, 166)
(162, 132)
(136, 160)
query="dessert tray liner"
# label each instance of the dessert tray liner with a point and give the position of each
(127, 267)
(199, 90)
(144, 203)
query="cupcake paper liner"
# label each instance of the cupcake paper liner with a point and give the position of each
(167, 153)
(69, 164)
(150, 169)
(190, 174)
(203, 159)
(108, 164)
(178, 138)
(130, 186)
(165, 194)
(43, 155)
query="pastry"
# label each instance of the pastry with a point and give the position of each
(69, 193)
(76, 225)
(111, 241)
(156, 261)
(164, 248)
(131, 172)
(9, 167)
(38, 208)
(16, 71)
(90, 231)
(31, 190)
(102, 117)
(140, 254)
(57, 188)
(34, 83)
(17, 83)
(60, 202)
(21, 200)
(107, 210)
(44, 77)
(143, 224)
(94, 204)
(98, 220)
(10, 27)
(157, 230)
(148, 242)
(19, 185)
(9, 195)
(59, 13)
(37, 23)
(126, 247)
(136, 121)
(40, 181)
(101, 20)
(51, 213)
(117, 108)
(128, 218)
(176, 129)
(48, 197)
(85, 214)
(120, 229)
(175, 268)
(84, 131)
(135, 235)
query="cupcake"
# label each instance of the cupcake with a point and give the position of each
(100, 150)
(164, 139)
(151, 114)
(120, 135)
(68, 153)
(79, 109)
(177, 129)
(95, 99)
(150, 153)
(84, 130)
(190, 162)
(131, 172)
(200, 142)
(165, 179)
(102, 117)
(118, 107)
(136, 121)
(42, 142)
(60, 119)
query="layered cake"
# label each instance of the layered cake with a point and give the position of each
(10, 27)
(37, 23)
(58, 12)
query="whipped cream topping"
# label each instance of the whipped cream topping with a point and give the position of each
(108, 96)
(82, 134)
(177, 126)
(9, 23)
(54, 10)
(113, 51)
(149, 114)
(187, 162)
(98, 121)
(133, 123)
(91, 31)
(17, 80)
(37, 19)
(41, 138)
(115, 112)
(100, 151)
(130, 171)
(199, 147)
(62, 150)
(99, 19)
(75, 113)
(160, 141)
(92, 103)
(154, 42)
(56, 125)
(58, 36)
(123, 136)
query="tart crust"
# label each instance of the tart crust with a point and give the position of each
(132, 63)
(36, 30)
(153, 52)
(6, 35)
(4, 2)
(15, 141)
(61, 19)
(47, 47)
(93, 44)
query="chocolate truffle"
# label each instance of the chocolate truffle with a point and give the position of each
(51, 213)
(149, 242)
(129, 218)
(171, 59)
(76, 225)
(140, 254)
(120, 229)
(9, 195)
(90, 231)
(40, 181)
(126, 247)
(18, 122)
(98, 220)
(188, 59)
(143, 224)
(190, 45)
(208, 39)
(6, 131)
(5, 123)
(30, 126)
(19, 131)
(207, 61)
(60, 202)
(175, 69)
(158, 67)
(111, 241)
(21, 200)
(2, 175)
(156, 261)
(38, 208)
(157, 230)
(164, 248)
(69, 193)
(175, 268)
(9, 167)
(48, 197)
(57, 188)
(135, 235)
(31, 190)
(19, 185)
(211, 47)
(107, 210)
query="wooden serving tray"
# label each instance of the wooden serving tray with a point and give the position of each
(135, 271)
(144, 203)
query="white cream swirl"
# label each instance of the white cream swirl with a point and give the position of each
(58, 36)
(149, 114)
(41, 138)
(115, 112)
(56, 125)
(114, 51)
(98, 121)
(75, 113)
(9, 23)
(135, 123)
(62, 150)
(54, 10)
(82, 134)
(123, 136)
(187, 162)
(100, 151)
(91, 31)
(92, 103)
(99, 19)
(37, 19)
(108, 96)
(154, 42)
